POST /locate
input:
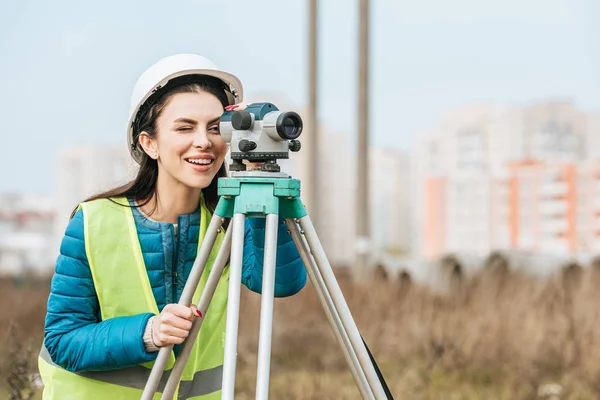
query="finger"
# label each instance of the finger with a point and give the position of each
(254, 164)
(169, 330)
(195, 311)
(177, 322)
(250, 166)
(166, 339)
(237, 107)
(182, 311)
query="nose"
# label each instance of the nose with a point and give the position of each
(201, 140)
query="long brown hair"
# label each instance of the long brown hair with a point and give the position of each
(143, 187)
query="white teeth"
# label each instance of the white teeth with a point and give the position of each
(201, 161)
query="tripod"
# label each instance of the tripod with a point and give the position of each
(268, 195)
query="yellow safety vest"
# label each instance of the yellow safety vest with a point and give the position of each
(123, 289)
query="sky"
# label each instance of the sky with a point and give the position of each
(67, 67)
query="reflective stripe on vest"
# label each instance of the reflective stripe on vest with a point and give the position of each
(204, 382)
(123, 289)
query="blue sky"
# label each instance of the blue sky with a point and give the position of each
(67, 67)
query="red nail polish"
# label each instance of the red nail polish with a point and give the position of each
(198, 313)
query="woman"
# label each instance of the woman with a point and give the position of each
(127, 253)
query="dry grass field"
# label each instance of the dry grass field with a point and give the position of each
(494, 336)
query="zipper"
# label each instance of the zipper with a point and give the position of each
(174, 265)
(176, 289)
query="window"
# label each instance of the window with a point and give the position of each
(433, 157)
(556, 140)
(471, 149)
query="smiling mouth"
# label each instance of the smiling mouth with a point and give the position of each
(199, 161)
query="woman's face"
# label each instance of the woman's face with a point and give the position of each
(188, 144)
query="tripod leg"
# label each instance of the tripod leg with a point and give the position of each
(266, 307)
(233, 306)
(186, 297)
(207, 294)
(342, 307)
(330, 311)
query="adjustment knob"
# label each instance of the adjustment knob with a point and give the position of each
(295, 145)
(241, 120)
(246, 145)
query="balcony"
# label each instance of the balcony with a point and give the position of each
(554, 207)
(554, 189)
(554, 226)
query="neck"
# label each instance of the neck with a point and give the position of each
(171, 199)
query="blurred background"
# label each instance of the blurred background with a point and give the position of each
(450, 162)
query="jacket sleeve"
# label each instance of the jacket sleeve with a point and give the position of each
(76, 338)
(290, 274)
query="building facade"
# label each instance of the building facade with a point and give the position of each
(84, 171)
(26, 241)
(493, 178)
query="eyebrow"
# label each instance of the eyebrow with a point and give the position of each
(186, 121)
(194, 122)
(212, 121)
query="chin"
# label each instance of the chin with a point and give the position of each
(198, 180)
(202, 183)
(198, 185)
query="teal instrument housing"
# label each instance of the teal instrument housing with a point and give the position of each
(258, 109)
(256, 197)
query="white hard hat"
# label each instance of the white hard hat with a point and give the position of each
(165, 70)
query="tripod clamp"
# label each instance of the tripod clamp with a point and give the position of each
(257, 194)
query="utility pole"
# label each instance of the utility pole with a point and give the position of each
(363, 242)
(311, 149)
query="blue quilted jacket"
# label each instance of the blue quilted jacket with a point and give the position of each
(76, 337)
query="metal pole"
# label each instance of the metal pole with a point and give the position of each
(362, 190)
(266, 307)
(205, 298)
(233, 306)
(311, 137)
(186, 298)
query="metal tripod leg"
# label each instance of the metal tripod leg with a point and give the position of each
(207, 294)
(266, 307)
(342, 307)
(186, 298)
(233, 306)
(330, 310)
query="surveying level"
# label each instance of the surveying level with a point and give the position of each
(260, 133)
(269, 194)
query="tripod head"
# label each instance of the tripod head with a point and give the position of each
(260, 133)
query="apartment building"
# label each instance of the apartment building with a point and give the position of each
(494, 177)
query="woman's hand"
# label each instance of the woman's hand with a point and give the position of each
(173, 324)
(252, 166)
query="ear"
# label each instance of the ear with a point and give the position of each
(148, 144)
